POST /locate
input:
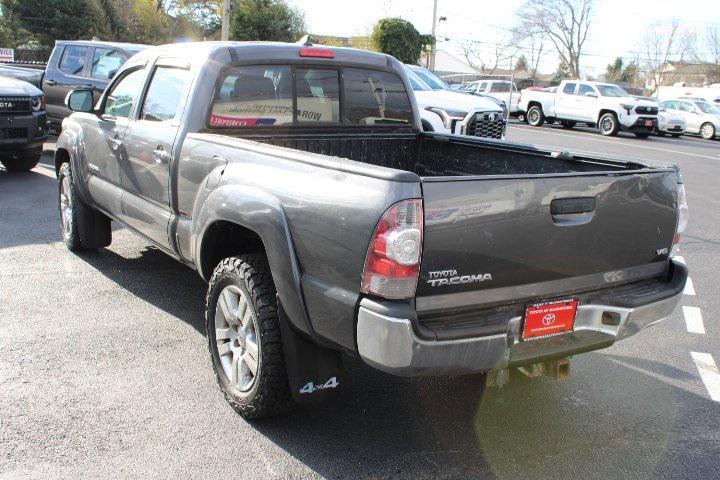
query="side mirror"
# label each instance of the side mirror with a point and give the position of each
(591, 94)
(80, 100)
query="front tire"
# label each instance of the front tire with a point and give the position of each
(707, 131)
(535, 116)
(609, 125)
(243, 332)
(23, 161)
(82, 226)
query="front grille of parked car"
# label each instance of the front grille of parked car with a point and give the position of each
(646, 110)
(7, 133)
(15, 104)
(486, 125)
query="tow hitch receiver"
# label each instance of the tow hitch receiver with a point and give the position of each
(557, 369)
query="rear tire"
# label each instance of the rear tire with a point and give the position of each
(82, 227)
(609, 125)
(707, 131)
(246, 348)
(567, 124)
(521, 117)
(23, 161)
(535, 116)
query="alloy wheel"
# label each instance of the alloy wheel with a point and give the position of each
(236, 336)
(66, 207)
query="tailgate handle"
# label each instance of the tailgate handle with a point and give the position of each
(571, 206)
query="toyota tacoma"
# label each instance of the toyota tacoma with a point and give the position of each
(298, 182)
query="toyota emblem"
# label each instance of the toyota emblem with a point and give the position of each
(492, 117)
(548, 319)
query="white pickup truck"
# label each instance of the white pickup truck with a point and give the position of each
(603, 104)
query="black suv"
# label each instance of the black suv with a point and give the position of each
(23, 124)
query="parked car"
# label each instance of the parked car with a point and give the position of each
(701, 117)
(522, 114)
(670, 123)
(23, 124)
(436, 83)
(501, 89)
(446, 111)
(604, 104)
(75, 64)
(327, 222)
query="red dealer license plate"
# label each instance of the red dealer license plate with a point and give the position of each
(549, 318)
(648, 123)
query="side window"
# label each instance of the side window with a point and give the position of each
(73, 59)
(254, 96)
(584, 88)
(318, 95)
(500, 87)
(482, 86)
(375, 98)
(165, 94)
(569, 89)
(685, 106)
(124, 94)
(106, 62)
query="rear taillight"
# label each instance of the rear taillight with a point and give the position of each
(683, 215)
(392, 263)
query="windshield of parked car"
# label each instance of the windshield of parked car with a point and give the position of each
(708, 107)
(430, 78)
(417, 83)
(501, 87)
(277, 95)
(611, 91)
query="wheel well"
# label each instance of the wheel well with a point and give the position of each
(534, 104)
(225, 239)
(61, 156)
(603, 112)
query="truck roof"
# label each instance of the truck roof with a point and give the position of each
(264, 51)
(133, 47)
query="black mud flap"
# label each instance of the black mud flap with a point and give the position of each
(314, 372)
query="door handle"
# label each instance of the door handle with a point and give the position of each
(116, 143)
(161, 156)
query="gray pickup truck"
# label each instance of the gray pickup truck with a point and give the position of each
(298, 182)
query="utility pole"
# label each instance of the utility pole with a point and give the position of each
(431, 65)
(225, 31)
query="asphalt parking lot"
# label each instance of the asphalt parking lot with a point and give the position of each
(104, 371)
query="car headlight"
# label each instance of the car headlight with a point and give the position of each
(447, 115)
(38, 103)
(627, 108)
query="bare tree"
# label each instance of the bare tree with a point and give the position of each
(533, 46)
(565, 23)
(504, 50)
(662, 43)
(712, 42)
(471, 51)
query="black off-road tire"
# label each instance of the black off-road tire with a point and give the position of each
(89, 229)
(23, 161)
(270, 393)
(535, 116)
(609, 125)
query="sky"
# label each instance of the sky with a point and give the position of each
(618, 28)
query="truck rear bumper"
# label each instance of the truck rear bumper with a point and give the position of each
(390, 344)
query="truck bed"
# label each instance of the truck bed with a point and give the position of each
(436, 155)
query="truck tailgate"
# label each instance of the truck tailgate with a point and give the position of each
(503, 240)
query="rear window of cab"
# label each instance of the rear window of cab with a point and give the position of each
(288, 95)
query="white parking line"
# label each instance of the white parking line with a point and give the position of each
(693, 320)
(615, 141)
(709, 373)
(689, 287)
